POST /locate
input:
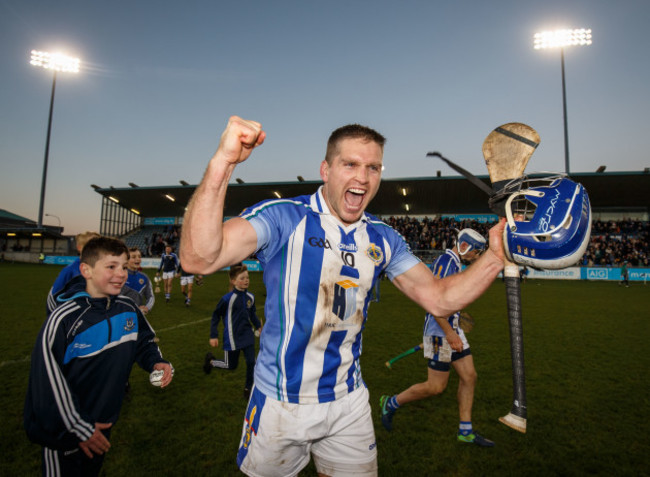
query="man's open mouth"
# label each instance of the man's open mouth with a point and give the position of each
(354, 197)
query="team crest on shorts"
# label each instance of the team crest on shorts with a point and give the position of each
(249, 427)
(374, 253)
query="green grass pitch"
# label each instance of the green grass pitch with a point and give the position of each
(586, 374)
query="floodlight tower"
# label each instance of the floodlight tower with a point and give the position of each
(55, 62)
(560, 39)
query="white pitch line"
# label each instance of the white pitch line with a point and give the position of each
(26, 359)
(15, 361)
(184, 324)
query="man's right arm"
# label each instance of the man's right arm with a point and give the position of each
(207, 243)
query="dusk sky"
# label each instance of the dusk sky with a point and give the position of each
(159, 80)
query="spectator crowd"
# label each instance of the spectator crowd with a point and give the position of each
(612, 242)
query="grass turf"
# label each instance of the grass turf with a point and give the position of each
(586, 374)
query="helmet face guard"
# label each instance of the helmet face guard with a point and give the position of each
(549, 223)
(472, 238)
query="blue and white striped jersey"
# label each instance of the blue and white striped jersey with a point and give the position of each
(318, 274)
(445, 265)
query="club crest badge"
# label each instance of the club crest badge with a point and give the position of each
(374, 253)
(129, 324)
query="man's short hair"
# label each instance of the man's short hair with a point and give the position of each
(351, 131)
(99, 246)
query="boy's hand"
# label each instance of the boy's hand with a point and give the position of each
(168, 374)
(214, 342)
(97, 444)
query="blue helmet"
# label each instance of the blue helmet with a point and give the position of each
(472, 238)
(549, 223)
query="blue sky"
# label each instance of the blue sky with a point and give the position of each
(159, 80)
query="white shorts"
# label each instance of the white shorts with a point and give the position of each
(278, 437)
(440, 354)
(168, 275)
(437, 347)
(187, 280)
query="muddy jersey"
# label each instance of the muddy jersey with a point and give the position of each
(318, 275)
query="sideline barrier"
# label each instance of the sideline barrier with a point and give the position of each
(148, 262)
(571, 273)
(58, 260)
(614, 274)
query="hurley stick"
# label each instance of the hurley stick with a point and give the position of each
(507, 150)
(389, 363)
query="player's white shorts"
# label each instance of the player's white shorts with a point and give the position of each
(187, 280)
(278, 437)
(440, 354)
(168, 275)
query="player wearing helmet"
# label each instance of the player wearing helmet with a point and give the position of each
(446, 346)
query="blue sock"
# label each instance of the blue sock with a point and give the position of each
(392, 404)
(465, 428)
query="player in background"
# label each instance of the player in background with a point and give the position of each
(237, 310)
(139, 282)
(321, 254)
(187, 280)
(624, 275)
(70, 271)
(445, 346)
(169, 265)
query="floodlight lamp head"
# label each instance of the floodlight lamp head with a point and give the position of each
(55, 61)
(562, 37)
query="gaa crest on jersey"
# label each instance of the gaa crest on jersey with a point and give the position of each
(375, 253)
(345, 299)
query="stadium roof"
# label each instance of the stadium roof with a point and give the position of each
(614, 191)
(22, 227)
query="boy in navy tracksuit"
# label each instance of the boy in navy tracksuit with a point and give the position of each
(237, 309)
(82, 357)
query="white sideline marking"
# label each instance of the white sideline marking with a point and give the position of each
(26, 359)
(185, 324)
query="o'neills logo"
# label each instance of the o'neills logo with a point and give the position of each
(374, 253)
(348, 247)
